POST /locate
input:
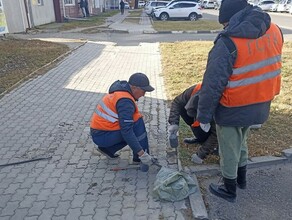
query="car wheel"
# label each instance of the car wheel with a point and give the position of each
(164, 17)
(193, 17)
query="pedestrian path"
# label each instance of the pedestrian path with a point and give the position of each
(49, 117)
(118, 23)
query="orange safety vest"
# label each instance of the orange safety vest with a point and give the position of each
(106, 117)
(256, 76)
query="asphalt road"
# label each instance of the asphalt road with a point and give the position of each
(267, 197)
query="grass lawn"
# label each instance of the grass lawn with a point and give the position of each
(200, 25)
(20, 58)
(95, 20)
(184, 64)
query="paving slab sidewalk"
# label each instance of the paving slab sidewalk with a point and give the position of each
(49, 116)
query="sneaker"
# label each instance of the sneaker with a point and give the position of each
(136, 161)
(106, 153)
(191, 140)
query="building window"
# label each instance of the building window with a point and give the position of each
(69, 2)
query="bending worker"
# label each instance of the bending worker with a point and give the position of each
(117, 121)
(185, 105)
(242, 77)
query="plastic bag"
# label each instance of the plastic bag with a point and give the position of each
(171, 185)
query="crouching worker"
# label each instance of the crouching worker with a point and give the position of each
(117, 122)
(185, 106)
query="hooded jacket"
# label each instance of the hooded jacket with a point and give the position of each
(178, 107)
(125, 109)
(249, 23)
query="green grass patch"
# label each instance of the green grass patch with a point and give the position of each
(184, 63)
(94, 20)
(199, 25)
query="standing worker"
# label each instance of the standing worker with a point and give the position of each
(122, 6)
(117, 122)
(185, 105)
(242, 77)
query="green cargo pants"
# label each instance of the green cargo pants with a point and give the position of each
(233, 149)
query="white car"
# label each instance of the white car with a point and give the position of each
(208, 4)
(178, 10)
(127, 6)
(274, 7)
(149, 7)
(141, 4)
(266, 5)
(284, 6)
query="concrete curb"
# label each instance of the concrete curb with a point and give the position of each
(198, 207)
(160, 32)
(182, 32)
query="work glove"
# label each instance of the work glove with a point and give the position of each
(205, 127)
(173, 139)
(201, 131)
(146, 159)
(196, 159)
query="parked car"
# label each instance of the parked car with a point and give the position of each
(127, 6)
(149, 7)
(208, 4)
(217, 4)
(274, 7)
(179, 10)
(290, 10)
(251, 2)
(141, 4)
(266, 5)
(284, 6)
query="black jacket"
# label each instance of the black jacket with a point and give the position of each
(179, 107)
(250, 23)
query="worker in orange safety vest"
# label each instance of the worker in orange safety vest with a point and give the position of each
(185, 106)
(117, 122)
(242, 77)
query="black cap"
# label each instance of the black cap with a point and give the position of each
(229, 8)
(141, 80)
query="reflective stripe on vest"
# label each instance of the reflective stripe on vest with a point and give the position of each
(108, 115)
(256, 73)
(105, 117)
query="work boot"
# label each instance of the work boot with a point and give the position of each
(191, 140)
(241, 177)
(225, 191)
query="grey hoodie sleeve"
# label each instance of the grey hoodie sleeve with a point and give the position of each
(218, 70)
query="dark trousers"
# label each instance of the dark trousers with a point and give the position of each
(211, 142)
(114, 141)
